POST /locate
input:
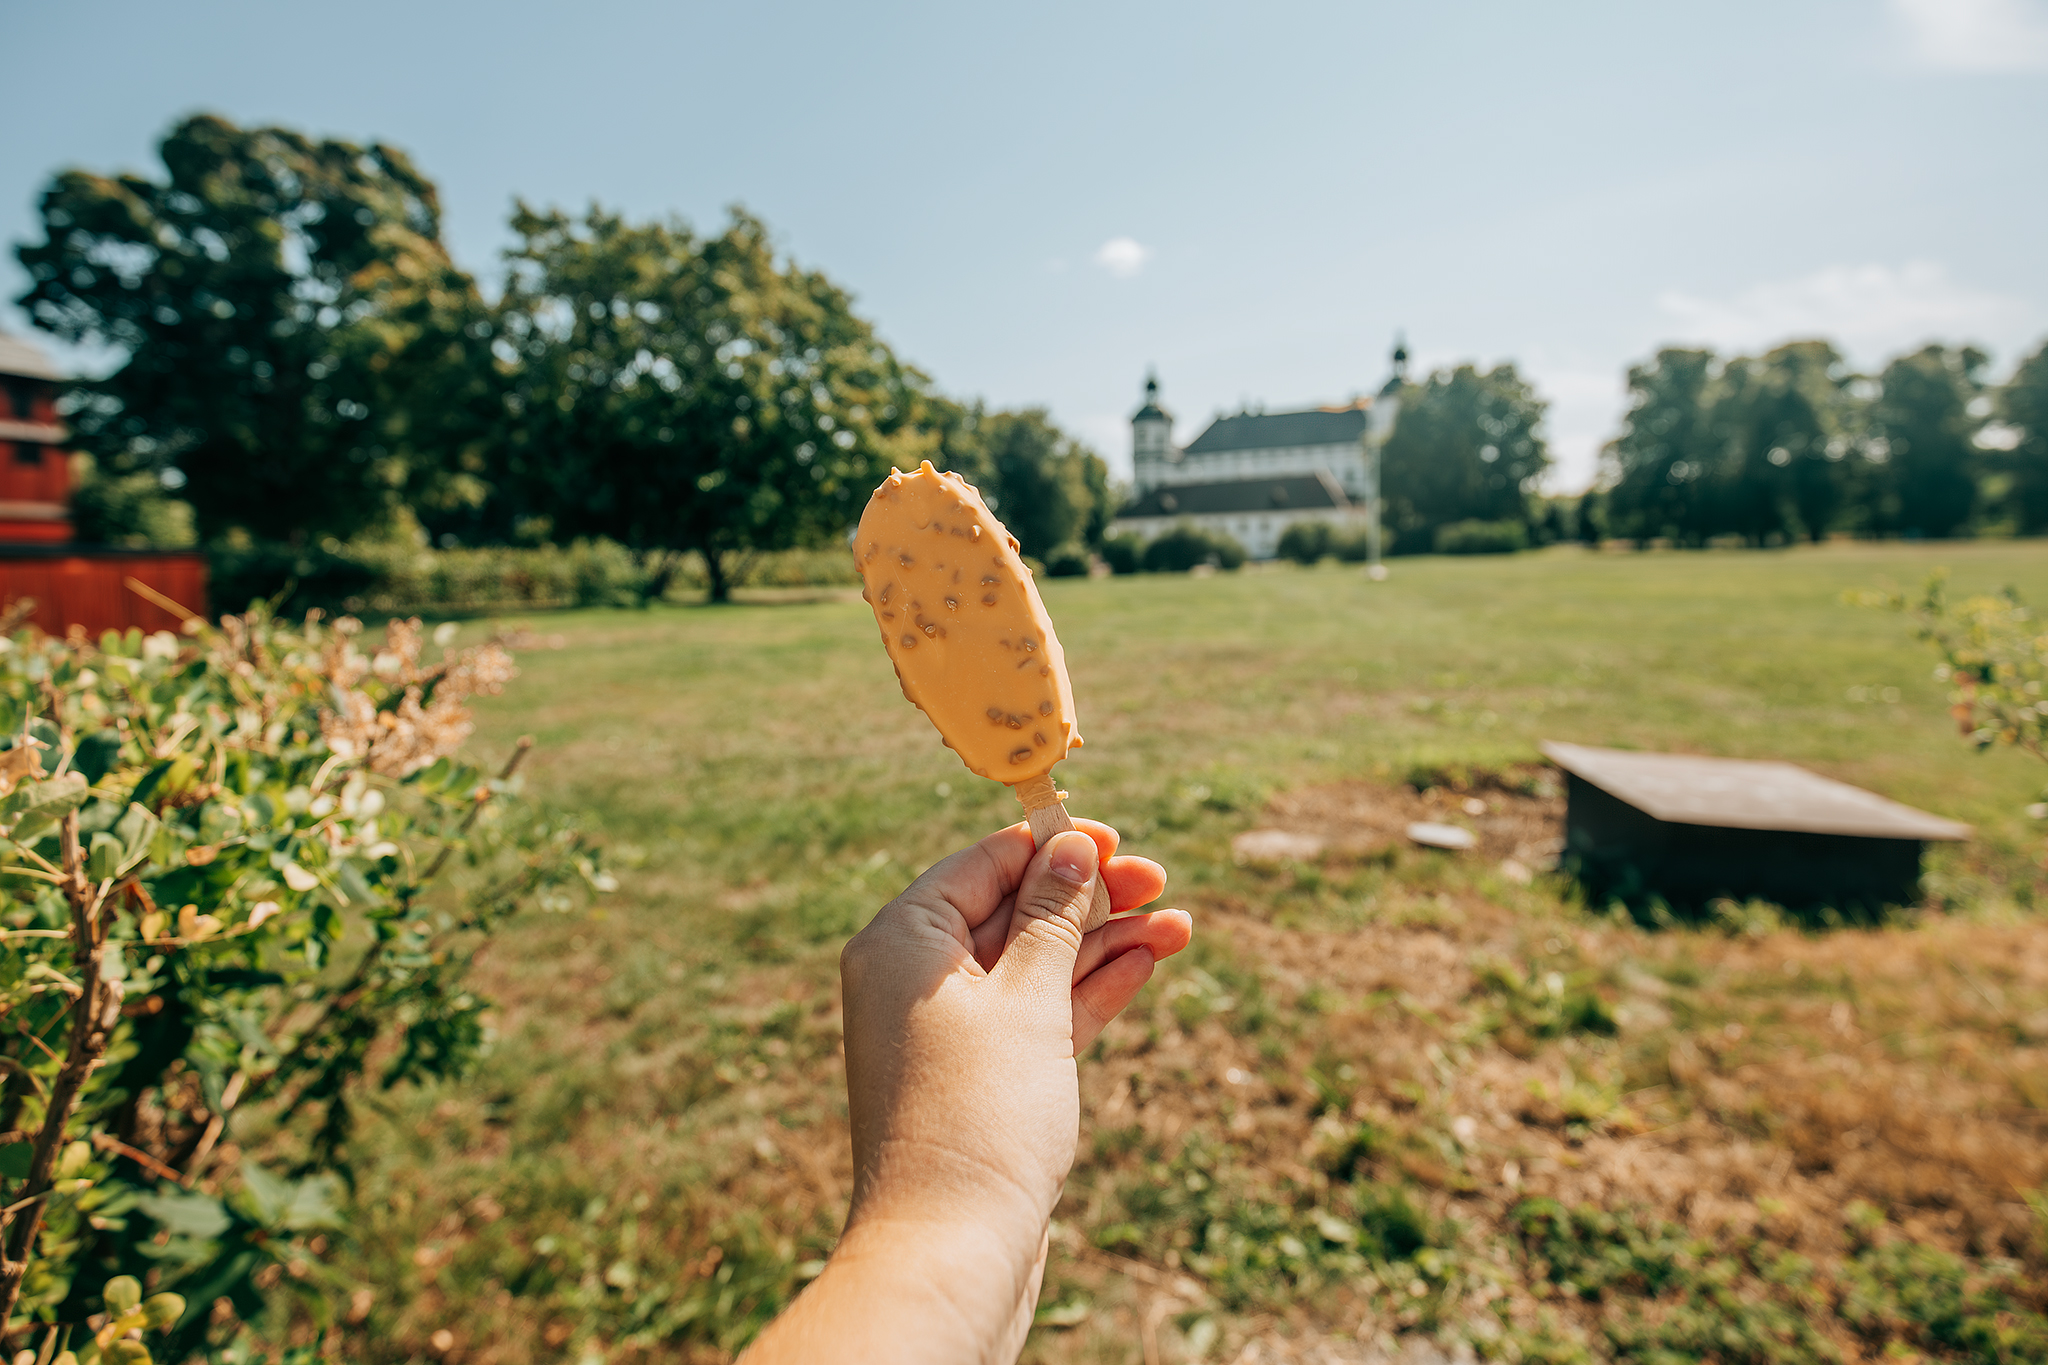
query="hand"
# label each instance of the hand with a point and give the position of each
(966, 1000)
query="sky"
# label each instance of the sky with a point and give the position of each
(1037, 203)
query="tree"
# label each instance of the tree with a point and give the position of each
(1663, 449)
(1780, 428)
(1924, 425)
(1467, 447)
(1047, 487)
(682, 393)
(275, 301)
(2023, 403)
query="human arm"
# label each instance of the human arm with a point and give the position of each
(967, 1000)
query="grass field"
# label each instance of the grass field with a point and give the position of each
(1388, 1092)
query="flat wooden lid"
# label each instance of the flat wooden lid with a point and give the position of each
(1741, 793)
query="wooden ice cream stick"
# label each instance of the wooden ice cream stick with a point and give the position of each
(1047, 817)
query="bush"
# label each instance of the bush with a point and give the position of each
(131, 510)
(397, 577)
(224, 905)
(1187, 545)
(1124, 553)
(1481, 538)
(1068, 561)
(1306, 542)
(240, 573)
(1352, 547)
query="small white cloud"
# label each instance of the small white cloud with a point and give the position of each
(1123, 257)
(1975, 35)
(1868, 310)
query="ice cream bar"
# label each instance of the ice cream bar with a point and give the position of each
(971, 641)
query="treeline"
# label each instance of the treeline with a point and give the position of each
(304, 368)
(306, 380)
(1761, 450)
(1796, 445)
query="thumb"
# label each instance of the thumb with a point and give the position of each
(1045, 929)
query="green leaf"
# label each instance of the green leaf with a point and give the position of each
(38, 801)
(353, 884)
(103, 860)
(122, 1294)
(15, 1158)
(146, 788)
(291, 1205)
(135, 829)
(96, 754)
(186, 1215)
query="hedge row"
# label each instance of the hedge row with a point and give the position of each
(386, 578)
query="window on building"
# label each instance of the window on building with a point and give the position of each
(27, 452)
(20, 399)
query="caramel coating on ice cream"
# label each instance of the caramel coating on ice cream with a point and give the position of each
(962, 620)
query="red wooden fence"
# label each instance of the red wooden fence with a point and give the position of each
(105, 589)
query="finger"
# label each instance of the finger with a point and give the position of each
(974, 881)
(1130, 886)
(1163, 933)
(1102, 996)
(1106, 838)
(1045, 923)
(987, 938)
(1132, 882)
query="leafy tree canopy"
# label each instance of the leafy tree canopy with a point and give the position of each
(1467, 447)
(1924, 423)
(1777, 430)
(1650, 464)
(2023, 403)
(1793, 444)
(281, 307)
(677, 392)
(1048, 488)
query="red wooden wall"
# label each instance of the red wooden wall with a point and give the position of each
(91, 589)
(35, 474)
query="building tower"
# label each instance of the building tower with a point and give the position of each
(1151, 438)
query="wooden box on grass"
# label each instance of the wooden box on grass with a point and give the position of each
(1690, 829)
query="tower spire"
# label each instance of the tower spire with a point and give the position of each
(1151, 435)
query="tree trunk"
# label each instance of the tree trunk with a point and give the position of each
(661, 567)
(715, 574)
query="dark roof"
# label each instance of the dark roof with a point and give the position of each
(1736, 793)
(1262, 431)
(20, 356)
(1288, 493)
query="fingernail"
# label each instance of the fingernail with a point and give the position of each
(1073, 860)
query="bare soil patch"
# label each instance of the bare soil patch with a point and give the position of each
(1517, 814)
(1752, 1088)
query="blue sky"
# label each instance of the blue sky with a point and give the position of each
(1036, 203)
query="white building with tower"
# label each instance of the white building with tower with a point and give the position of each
(1250, 475)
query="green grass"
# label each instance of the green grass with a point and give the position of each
(652, 1157)
(768, 742)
